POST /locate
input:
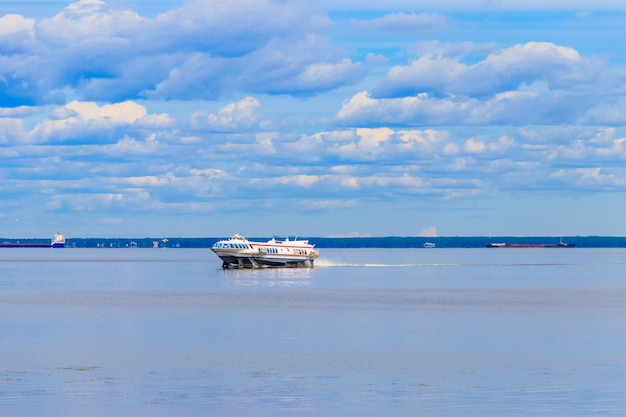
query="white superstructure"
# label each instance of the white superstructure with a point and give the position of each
(239, 252)
(58, 241)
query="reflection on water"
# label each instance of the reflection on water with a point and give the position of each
(267, 277)
(366, 332)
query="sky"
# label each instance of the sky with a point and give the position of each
(195, 118)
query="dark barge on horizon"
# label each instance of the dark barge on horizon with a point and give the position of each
(531, 245)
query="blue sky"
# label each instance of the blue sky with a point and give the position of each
(208, 118)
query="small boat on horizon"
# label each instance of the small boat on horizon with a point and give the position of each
(239, 252)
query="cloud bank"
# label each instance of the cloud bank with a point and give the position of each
(219, 114)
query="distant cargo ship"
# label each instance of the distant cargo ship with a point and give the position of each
(531, 245)
(58, 241)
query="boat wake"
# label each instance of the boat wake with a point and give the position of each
(331, 264)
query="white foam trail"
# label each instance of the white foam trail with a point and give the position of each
(331, 264)
(327, 263)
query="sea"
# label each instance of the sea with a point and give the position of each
(366, 332)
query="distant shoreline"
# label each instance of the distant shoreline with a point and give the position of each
(348, 242)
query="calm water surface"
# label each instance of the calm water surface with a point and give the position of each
(367, 332)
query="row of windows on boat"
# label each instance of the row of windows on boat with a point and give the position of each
(233, 246)
(275, 250)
